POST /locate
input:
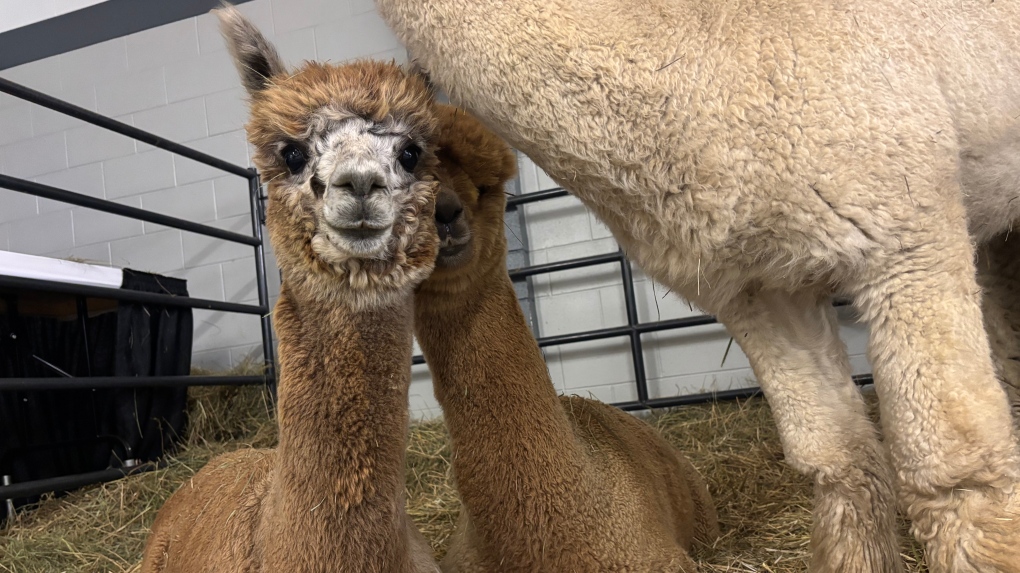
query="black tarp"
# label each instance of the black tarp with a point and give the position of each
(63, 432)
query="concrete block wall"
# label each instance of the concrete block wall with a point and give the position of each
(178, 81)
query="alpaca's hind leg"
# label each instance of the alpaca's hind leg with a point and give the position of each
(998, 274)
(801, 363)
(945, 415)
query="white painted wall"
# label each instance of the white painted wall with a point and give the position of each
(177, 81)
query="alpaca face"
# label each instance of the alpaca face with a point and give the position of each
(356, 177)
(347, 154)
(453, 222)
(473, 166)
(358, 189)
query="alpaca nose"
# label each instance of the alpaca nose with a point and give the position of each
(361, 182)
(448, 208)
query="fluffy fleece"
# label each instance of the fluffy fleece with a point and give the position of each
(331, 496)
(758, 156)
(548, 483)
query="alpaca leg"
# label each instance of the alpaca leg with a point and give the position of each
(946, 417)
(793, 343)
(998, 274)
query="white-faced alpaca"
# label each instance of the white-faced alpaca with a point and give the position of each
(759, 156)
(548, 483)
(346, 151)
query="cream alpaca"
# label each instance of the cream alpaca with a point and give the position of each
(547, 483)
(759, 157)
(347, 151)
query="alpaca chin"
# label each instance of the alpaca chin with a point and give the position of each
(357, 244)
(455, 256)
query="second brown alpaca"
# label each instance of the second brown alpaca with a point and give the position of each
(548, 483)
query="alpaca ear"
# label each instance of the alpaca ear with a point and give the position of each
(416, 69)
(256, 59)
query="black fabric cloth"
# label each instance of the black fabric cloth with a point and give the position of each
(54, 433)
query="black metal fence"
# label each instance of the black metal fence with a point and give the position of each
(634, 328)
(255, 240)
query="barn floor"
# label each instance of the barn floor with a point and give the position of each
(764, 507)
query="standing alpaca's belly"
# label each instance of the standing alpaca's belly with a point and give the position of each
(990, 175)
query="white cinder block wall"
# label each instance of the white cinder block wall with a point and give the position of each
(178, 81)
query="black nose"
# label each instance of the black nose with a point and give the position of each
(448, 208)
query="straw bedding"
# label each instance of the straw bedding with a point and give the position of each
(764, 507)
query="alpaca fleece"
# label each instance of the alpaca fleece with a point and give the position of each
(548, 483)
(759, 156)
(331, 496)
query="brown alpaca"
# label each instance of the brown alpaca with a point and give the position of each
(556, 484)
(346, 151)
(760, 156)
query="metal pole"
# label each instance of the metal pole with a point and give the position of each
(89, 382)
(691, 399)
(39, 98)
(9, 502)
(640, 381)
(127, 295)
(67, 483)
(254, 191)
(62, 195)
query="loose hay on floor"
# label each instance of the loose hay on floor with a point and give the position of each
(764, 506)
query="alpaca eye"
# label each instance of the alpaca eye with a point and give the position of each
(294, 158)
(409, 157)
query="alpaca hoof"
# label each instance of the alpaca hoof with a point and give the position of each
(854, 529)
(855, 549)
(972, 532)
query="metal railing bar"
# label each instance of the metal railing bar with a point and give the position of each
(614, 332)
(636, 350)
(586, 336)
(45, 191)
(90, 382)
(536, 196)
(67, 483)
(675, 323)
(701, 398)
(689, 399)
(624, 330)
(130, 295)
(39, 98)
(524, 272)
(254, 195)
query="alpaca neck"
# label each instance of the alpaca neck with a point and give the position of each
(343, 421)
(507, 426)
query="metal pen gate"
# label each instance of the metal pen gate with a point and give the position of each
(255, 240)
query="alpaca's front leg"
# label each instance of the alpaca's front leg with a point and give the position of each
(945, 415)
(794, 347)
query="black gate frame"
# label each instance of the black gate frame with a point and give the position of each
(255, 240)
